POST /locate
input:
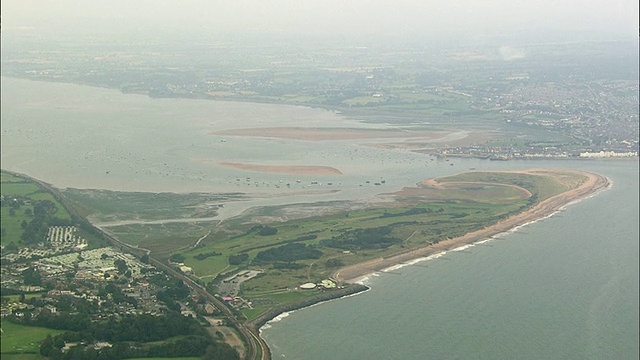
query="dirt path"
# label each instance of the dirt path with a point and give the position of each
(202, 238)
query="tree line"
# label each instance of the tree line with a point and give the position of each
(361, 239)
(288, 253)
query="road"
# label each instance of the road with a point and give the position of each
(257, 348)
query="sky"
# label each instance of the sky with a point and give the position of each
(345, 17)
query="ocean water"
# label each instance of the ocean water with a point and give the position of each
(565, 287)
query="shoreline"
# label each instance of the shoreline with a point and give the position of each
(354, 273)
(263, 319)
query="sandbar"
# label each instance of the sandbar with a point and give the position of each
(593, 184)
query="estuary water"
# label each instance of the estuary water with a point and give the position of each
(565, 287)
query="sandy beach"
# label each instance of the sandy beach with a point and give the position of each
(593, 184)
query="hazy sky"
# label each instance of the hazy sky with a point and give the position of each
(357, 17)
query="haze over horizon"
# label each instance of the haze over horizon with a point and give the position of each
(458, 19)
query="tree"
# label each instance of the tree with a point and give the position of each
(288, 253)
(12, 212)
(11, 247)
(177, 258)
(121, 265)
(238, 259)
(46, 346)
(220, 351)
(32, 277)
(267, 230)
(333, 263)
(58, 342)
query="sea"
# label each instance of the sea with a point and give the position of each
(563, 287)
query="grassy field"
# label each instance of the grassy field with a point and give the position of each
(11, 224)
(6, 177)
(15, 298)
(12, 217)
(543, 186)
(19, 188)
(23, 356)
(162, 239)
(23, 339)
(262, 301)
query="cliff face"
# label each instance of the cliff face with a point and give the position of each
(256, 323)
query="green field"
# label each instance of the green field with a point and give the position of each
(11, 224)
(263, 301)
(23, 339)
(543, 186)
(15, 298)
(162, 239)
(19, 188)
(12, 216)
(5, 177)
(22, 356)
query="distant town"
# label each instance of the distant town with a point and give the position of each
(552, 100)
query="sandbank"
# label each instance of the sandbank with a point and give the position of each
(593, 183)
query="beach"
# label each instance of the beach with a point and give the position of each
(593, 184)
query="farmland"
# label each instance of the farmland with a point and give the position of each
(20, 198)
(23, 339)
